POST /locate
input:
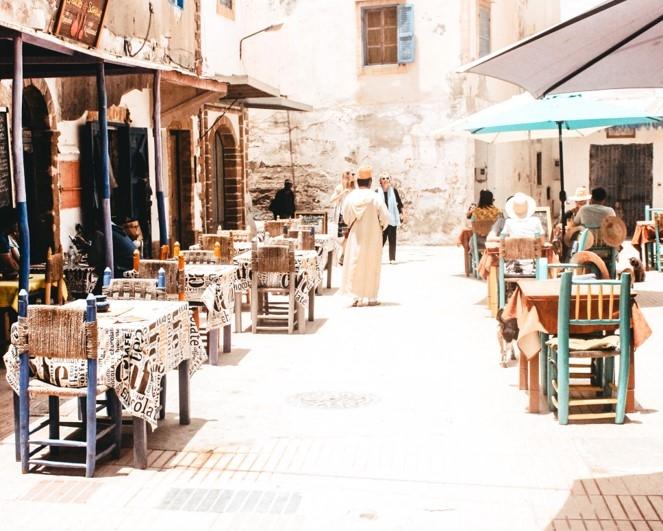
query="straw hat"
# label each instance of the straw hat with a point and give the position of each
(613, 231)
(572, 233)
(582, 194)
(365, 172)
(520, 206)
(588, 257)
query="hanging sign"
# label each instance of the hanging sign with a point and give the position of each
(81, 20)
(5, 167)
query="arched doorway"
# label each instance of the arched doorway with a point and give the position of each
(37, 140)
(219, 181)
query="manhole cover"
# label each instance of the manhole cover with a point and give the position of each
(333, 400)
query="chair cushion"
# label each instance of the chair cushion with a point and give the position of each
(39, 388)
(581, 344)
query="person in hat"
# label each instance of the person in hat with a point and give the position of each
(580, 199)
(283, 204)
(395, 207)
(521, 221)
(592, 215)
(367, 216)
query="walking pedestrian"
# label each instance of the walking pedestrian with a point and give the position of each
(367, 216)
(283, 204)
(347, 184)
(395, 208)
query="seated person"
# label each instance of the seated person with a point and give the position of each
(592, 215)
(486, 208)
(9, 250)
(521, 223)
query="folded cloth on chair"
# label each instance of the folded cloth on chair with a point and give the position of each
(598, 343)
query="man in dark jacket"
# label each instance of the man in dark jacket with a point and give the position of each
(283, 204)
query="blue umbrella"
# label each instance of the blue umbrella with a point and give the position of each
(571, 111)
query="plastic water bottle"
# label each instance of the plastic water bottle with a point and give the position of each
(161, 278)
(107, 277)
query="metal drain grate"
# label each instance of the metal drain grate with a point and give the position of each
(231, 501)
(333, 400)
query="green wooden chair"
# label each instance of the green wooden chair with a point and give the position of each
(655, 215)
(517, 249)
(599, 247)
(591, 304)
(480, 229)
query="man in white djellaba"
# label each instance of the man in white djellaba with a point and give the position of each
(366, 216)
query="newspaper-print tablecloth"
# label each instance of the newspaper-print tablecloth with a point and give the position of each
(307, 275)
(139, 341)
(214, 286)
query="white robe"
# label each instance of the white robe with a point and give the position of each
(367, 215)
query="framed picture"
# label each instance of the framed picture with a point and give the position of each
(314, 219)
(81, 20)
(543, 213)
(620, 131)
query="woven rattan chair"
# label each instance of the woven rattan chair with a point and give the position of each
(275, 314)
(71, 334)
(480, 229)
(174, 270)
(54, 276)
(275, 228)
(517, 249)
(200, 257)
(134, 288)
(225, 250)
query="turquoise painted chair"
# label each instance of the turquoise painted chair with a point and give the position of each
(517, 249)
(606, 252)
(655, 215)
(65, 333)
(480, 229)
(591, 304)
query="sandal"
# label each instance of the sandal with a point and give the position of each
(355, 303)
(374, 303)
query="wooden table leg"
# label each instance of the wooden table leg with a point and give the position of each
(162, 395)
(213, 345)
(311, 305)
(330, 261)
(140, 443)
(534, 389)
(227, 339)
(238, 312)
(522, 372)
(183, 370)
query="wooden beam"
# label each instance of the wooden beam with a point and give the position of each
(191, 103)
(177, 78)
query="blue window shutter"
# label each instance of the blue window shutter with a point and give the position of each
(178, 3)
(405, 33)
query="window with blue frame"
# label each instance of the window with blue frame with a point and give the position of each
(388, 34)
(178, 3)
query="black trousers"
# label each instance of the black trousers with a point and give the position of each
(390, 233)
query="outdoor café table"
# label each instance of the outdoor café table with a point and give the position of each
(139, 342)
(307, 278)
(534, 304)
(643, 240)
(213, 286)
(9, 290)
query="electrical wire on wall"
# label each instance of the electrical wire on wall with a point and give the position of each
(127, 42)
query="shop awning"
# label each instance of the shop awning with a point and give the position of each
(241, 87)
(279, 103)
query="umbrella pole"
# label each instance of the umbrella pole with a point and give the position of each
(17, 159)
(562, 191)
(105, 164)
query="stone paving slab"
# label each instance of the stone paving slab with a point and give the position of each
(395, 417)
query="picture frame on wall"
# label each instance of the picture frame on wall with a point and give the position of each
(544, 214)
(620, 131)
(81, 21)
(317, 219)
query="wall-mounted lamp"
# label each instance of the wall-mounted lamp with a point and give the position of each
(556, 162)
(273, 27)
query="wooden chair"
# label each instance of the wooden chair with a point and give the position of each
(64, 333)
(587, 305)
(174, 273)
(656, 215)
(275, 259)
(275, 228)
(134, 288)
(225, 250)
(54, 275)
(480, 229)
(200, 257)
(305, 239)
(517, 249)
(599, 247)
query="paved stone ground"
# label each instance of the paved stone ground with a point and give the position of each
(395, 417)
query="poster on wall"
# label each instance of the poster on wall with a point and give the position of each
(6, 199)
(81, 20)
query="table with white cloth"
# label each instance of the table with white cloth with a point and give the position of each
(326, 245)
(212, 286)
(139, 342)
(307, 279)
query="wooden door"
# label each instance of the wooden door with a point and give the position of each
(181, 172)
(625, 171)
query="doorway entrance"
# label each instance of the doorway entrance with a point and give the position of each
(625, 171)
(37, 139)
(181, 172)
(219, 207)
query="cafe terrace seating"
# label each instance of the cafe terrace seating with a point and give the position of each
(592, 238)
(597, 308)
(517, 249)
(656, 216)
(64, 333)
(134, 288)
(200, 257)
(54, 276)
(480, 229)
(225, 250)
(267, 313)
(173, 269)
